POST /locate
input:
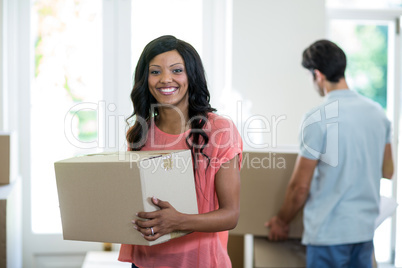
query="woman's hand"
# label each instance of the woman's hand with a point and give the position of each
(158, 223)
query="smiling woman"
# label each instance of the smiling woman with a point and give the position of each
(171, 109)
(167, 80)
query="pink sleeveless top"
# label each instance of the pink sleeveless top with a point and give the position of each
(197, 249)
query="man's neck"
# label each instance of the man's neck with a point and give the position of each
(330, 86)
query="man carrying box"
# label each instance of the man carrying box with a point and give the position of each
(344, 152)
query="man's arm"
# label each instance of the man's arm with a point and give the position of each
(388, 163)
(296, 196)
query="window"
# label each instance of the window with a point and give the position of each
(68, 62)
(366, 46)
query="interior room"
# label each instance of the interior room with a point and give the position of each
(66, 75)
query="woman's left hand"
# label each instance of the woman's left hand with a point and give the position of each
(158, 223)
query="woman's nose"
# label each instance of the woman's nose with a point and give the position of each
(166, 77)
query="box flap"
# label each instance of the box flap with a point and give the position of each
(177, 184)
(169, 178)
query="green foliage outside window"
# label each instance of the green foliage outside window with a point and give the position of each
(55, 48)
(87, 128)
(367, 67)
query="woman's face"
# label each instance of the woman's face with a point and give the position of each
(167, 80)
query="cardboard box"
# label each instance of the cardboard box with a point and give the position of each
(236, 250)
(266, 254)
(264, 178)
(7, 157)
(99, 194)
(286, 254)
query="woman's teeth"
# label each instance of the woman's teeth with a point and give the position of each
(167, 89)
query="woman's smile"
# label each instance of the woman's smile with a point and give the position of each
(167, 90)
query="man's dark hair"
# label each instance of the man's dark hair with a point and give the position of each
(327, 57)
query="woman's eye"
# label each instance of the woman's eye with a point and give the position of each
(177, 71)
(154, 72)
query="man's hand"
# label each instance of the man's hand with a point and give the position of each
(278, 229)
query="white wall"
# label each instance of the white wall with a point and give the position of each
(1, 64)
(268, 39)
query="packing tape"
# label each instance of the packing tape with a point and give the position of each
(168, 162)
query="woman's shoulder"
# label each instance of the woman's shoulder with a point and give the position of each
(218, 121)
(223, 134)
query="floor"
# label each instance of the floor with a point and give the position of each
(104, 259)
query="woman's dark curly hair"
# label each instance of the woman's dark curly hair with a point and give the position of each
(142, 99)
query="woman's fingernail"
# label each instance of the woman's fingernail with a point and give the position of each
(135, 227)
(133, 221)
